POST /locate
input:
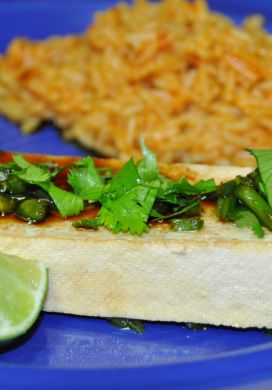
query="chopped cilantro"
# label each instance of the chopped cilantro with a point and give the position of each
(57, 170)
(247, 219)
(85, 180)
(126, 203)
(138, 193)
(7, 166)
(31, 173)
(124, 180)
(174, 192)
(201, 187)
(67, 203)
(186, 209)
(21, 161)
(148, 167)
(264, 163)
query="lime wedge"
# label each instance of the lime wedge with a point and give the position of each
(23, 286)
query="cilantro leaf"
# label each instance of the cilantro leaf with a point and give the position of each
(205, 186)
(124, 180)
(247, 219)
(264, 163)
(21, 161)
(126, 202)
(174, 192)
(149, 172)
(67, 203)
(128, 212)
(7, 166)
(85, 180)
(31, 173)
(148, 167)
(190, 207)
(201, 187)
(57, 170)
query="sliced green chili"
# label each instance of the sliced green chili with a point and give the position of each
(256, 203)
(32, 210)
(7, 204)
(225, 207)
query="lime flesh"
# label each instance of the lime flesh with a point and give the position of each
(23, 287)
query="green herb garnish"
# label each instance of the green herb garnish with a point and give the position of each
(138, 194)
(247, 219)
(185, 224)
(201, 187)
(256, 203)
(85, 180)
(66, 202)
(246, 201)
(126, 202)
(126, 323)
(31, 173)
(264, 164)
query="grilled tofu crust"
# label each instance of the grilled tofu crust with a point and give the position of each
(220, 275)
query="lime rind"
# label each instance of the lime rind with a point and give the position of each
(23, 287)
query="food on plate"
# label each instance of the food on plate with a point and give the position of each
(184, 243)
(197, 87)
(127, 323)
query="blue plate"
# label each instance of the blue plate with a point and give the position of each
(67, 352)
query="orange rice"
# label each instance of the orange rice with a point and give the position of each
(197, 87)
